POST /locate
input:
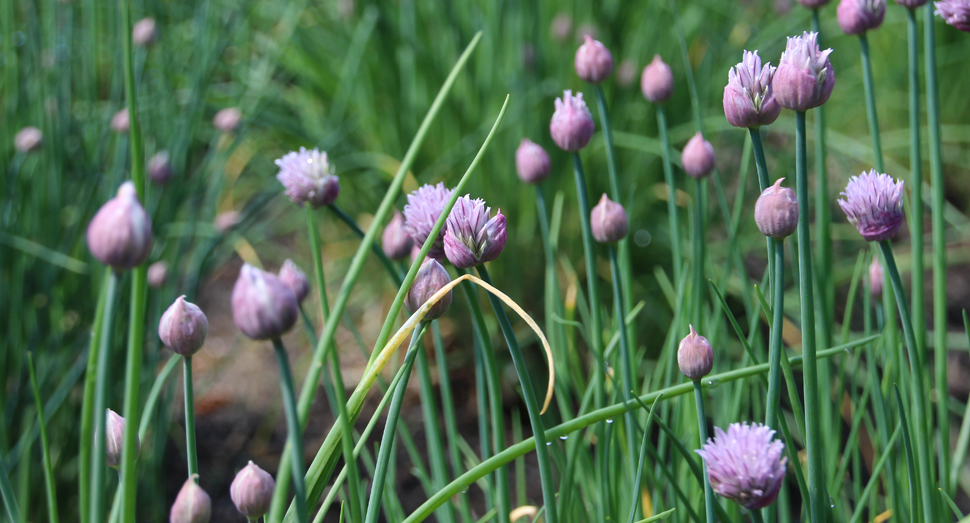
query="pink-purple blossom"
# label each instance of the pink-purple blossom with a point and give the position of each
(873, 202)
(422, 211)
(308, 177)
(572, 124)
(955, 13)
(473, 236)
(748, 97)
(804, 79)
(745, 464)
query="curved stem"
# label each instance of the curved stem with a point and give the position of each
(672, 214)
(710, 502)
(191, 458)
(626, 357)
(870, 90)
(776, 347)
(532, 405)
(98, 466)
(295, 433)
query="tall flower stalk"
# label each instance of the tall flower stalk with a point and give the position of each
(695, 356)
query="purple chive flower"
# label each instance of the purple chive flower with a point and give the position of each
(531, 162)
(875, 278)
(192, 505)
(657, 81)
(114, 426)
(572, 124)
(593, 61)
(697, 157)
(28, 139)
(395, 240)
(252, 491)
(858, 16)
(955, 13)
(120, 234)
(226, 120)
(874, 204)
(157, 274)
(695, 356)
(608, 221)
(431, 278)
(308, 178)
(160, 168)
(143, 33)
(263, 307)
(120, 122)
(748, 98)
(183, 327)
(422, 211)
(804, 78)
(745, 464)
(776, 211)
(293, 277)
(473, 237)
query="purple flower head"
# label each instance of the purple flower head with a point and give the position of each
(422, 211)
(572, 124)
(473, 236)
(748, 98)
(776, 211)
(160, 168)
(143, 33)
(263, 307)
(608, 221)
(120, 234)
(531, 162)
(431, 278)
(875, 278)
(192, 505)
(874, 204)
(804, 78)
(858, 16)
(308, 178)
(593, 61)
(252, 491)
(657, 81)
(955, 13)
(28, 139)
(183, 327)
(226, 120)
(697, 157)
(395, 240)
(293, 277)
(745, 464)
(695, 356)
(114, 426)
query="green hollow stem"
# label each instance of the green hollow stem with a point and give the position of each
(672, 214)
(764, 181)
(448, 407)
(87, 405)
(191, 457)
(597, 416)
(870, 89)
(756, 517)
(626, 356)
(813, 431)
(697, 263)
(390, 428)
(922, 440)
(436, 447)
(49, 486)
(531, 404)
(710, 502)
(98, 459)
(316, 255)
(9, 498)
(776, 348)
(823, 211)
(294, 430)
(916, 188)
(939, 247)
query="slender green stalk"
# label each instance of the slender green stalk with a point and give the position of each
(626, 356)
(390, 427)
(756, 516)
(697, 261)
(9, 499)
(672, 213)
(963, 437)
(87, 405)
(813, 430)
(709, 501)
(776, 344)
(154, 393)
(316, 255)
(923, 442)
(939, 247)
(870, 90)
(448, 407)
(916, 201)
(294, 430)
(191, 458)
(528, 394)
(45, 448)
(764, 181)
(823, 213)
(98, 458)
(436, 447)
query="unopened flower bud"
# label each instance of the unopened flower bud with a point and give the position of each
(120, 122)
(748, 98)
(183, 327)
(858, 16)
(226, 120)
(876, 278)
(252, 491)
(572, 124)
(28, 139)
(160, 168)
(192, 505)
(698, 157)
(263, 307)
(776, 211)
(293, 277)
(157, 274)
(531, 162)
(114, 426)
(561, 27)
(431, 278)
(695, 356)
(120, 234)
(395, 240)
(608, 221)
(593, 61)
(143, 33)
(657, 81)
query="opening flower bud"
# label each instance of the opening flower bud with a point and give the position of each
(657, 81)
(395, 240)
(572, 124)
(431, 278)
(120, 234)
(143, 33)
(473, 237)
(226, 120)
(263, 307)
(252, 491)
(776, 211)
(293, 277)
(192, 505)
(695, 356)
(308, 177)
(593, 61)
(608, 221)
(160, 168)
(748, 98)
(858, 16)
(183, 327)
(531, 162)
(157, 274)
(28, 139)
(698, 157)
(805, 78)
(114, 426)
